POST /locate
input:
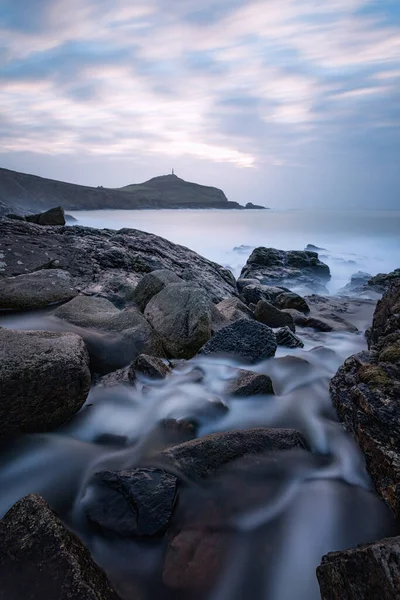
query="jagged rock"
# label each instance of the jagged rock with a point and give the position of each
(286, 337)
(232, 309)
(151, 367)
(151, 284)
(248, 340)
(135, 502)
(273, 317)
(364, 573)
(44, 380)
(253, 293)
(248, 383)
(382, 281)
(36, 290)
(54, 216)
(126, 332)
(182, 315)
(291, 300)
(41, 560)
(98, 258)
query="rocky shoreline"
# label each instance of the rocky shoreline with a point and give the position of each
(124, 310)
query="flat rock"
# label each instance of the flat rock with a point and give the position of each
(249, 341)
(152, 283)
(36, 290)
(273, 317)
(44, 380)
(41, 560)
(248, 383)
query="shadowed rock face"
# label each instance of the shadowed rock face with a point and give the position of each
(36, 290)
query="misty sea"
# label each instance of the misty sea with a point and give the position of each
(362, 240)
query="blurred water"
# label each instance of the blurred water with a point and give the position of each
(366, 240)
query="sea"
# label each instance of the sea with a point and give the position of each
(350, 241)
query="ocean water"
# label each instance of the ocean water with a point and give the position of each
(364, 240)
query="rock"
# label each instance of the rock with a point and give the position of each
(16, 217)
(41, 560)
(248, 383)
(232, 309)
(70, 219)
(36, 290)
(135, 502)
(273, 317)
(292, 268)
(126, 332)
(381, 282)
(254, 292)
(327, 313)
(151, 367)
(115, 378)
(363, 573)
(291, 300)
(203, 457)
(365, 392)
(182, 315)
(257, 206)
(44, 380)
(242, 283)
(312, 248)
(358, 286)
(152, 283)
(98, 258)
(54, 216)
(286, 337)
(248, 340)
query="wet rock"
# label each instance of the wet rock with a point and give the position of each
(248, 340)
(253, 293)
(36, 290)
(278, 267)
(248, 383)
(364, 573)
(151, 367)
(152, 283)
(292, 300)
(135, 502)
(286, 337)
(182, 315)
(44, 380)
(54, 216)
(273, 317)
(232, 309)
(115, 378)
(126, 332)
(330, 314)
(95, 258)
(381, 282)
(41, 560)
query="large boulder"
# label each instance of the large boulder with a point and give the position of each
(122, 334)
(36, 290)
(44, 380)
(53, 216)
(366, 391)
(100, 260)
(41, 560)
(297, 268)
(248, 341)
(182, 315)
(273, 317)
(364, 573)
(151, 284)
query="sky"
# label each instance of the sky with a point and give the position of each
(286, 103)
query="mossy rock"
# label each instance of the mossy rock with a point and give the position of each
(374, 376)
(391, 354)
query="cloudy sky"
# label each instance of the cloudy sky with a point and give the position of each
(283, 102)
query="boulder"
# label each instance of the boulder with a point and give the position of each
(150, 367)
(152, 283)
(381, 282)
(248, 383)
(41, 560)
(53, 216)
(246, 340)
(291, 300)
(253, 293)
(36, 290)
(97, 259)
(289, 268)
(286, 337)
(114, 337)
(135, 502)
(273, 317)
(233, 309)
(365, 573)
(44, 380)
(182, 316)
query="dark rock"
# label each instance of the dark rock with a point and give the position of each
(151, 367)
(286, 337)
(182, 315)
(292, 300)
(54, 216)
(248, 383)
(273, 317)
(16, 217)
(312, 248)
(292, 268)
(127, 333)
(135, 502)
(44, 380)
(99, 260)
(36, 290)
(115, 378)
(258, 206)
(364, 573)
(242, 283)
(254, 292)
(232, 309)
(328, 314)
(381, 282)
(152, 283)
(41, 560)
(248, 340)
